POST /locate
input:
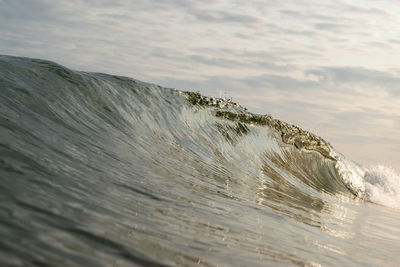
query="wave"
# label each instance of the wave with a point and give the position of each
(94, 141)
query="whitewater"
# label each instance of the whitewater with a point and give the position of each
(103, 170)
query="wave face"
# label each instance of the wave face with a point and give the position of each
(106, 170)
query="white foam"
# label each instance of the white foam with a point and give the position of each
(351, 173)
(382, 186)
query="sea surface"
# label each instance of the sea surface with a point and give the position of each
(102, 170)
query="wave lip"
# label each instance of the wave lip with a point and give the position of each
(290, 134)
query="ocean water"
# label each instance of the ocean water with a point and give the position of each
(101, 170)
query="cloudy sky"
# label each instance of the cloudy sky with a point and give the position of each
(332, 67)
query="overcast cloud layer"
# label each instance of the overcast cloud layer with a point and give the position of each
(331, 67)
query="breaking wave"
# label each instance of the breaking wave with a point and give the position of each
(98, 168)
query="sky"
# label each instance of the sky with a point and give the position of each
(331, 67)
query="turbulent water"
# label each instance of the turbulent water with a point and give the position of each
(101, 170)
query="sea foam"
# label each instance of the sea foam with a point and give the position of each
(382, 186)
